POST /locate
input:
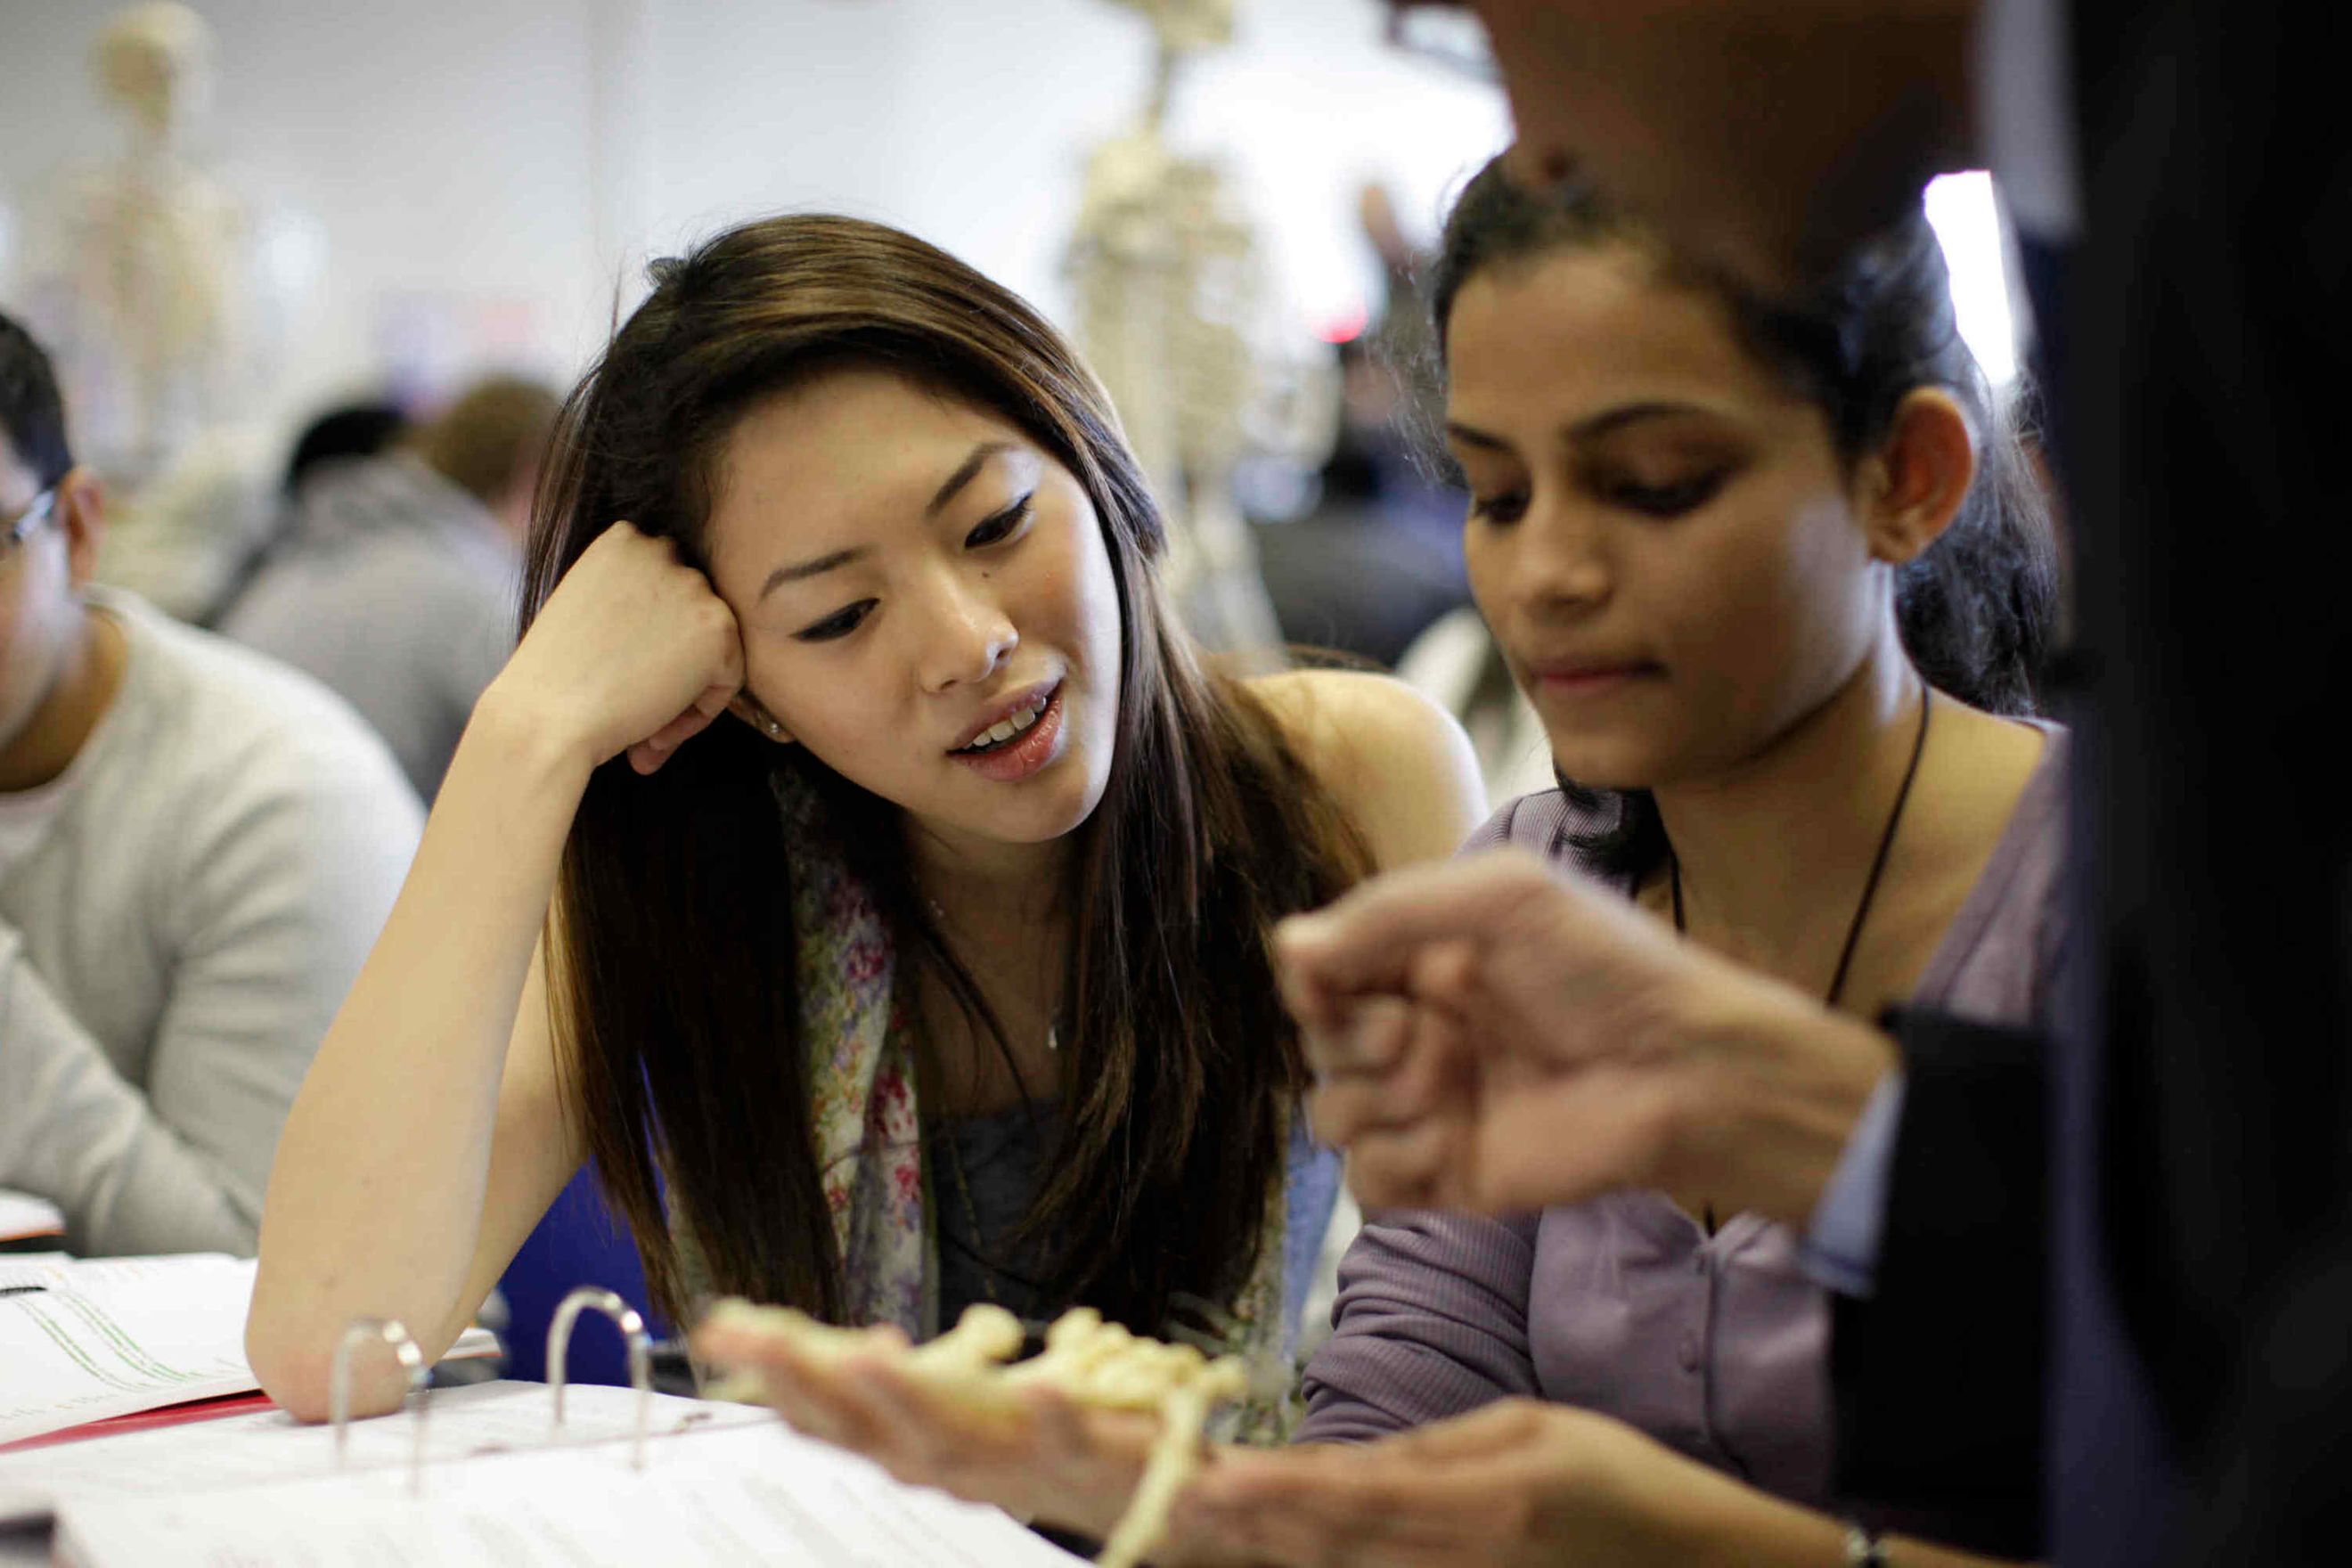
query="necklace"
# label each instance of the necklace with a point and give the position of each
(1053, 1024)
(1877, 864)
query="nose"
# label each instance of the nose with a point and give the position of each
(1561, 564)
(969, 637)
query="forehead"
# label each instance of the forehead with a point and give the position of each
(842, 455)
(1574, 334)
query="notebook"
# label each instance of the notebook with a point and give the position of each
(84, 1341)
(719, 1484)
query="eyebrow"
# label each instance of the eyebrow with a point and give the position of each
(806, 569)
(1606, 423)
(965, 473)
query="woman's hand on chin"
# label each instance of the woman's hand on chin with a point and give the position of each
(633, 651)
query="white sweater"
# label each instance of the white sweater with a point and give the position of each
(179, 916)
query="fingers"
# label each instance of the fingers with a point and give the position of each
(1421, 1166)
(1344, 1504)
(655, 748)
(1570, 1139)
(1364, 1034)
(1370, 940)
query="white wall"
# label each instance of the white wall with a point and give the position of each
(484, 175)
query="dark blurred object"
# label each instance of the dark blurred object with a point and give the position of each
(1380, 557)
(1377, 560)
(351, 430)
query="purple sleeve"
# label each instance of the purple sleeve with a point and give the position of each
(1431, 1321)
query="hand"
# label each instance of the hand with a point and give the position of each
(1492, 1035)
(1518, 1482)
(1040, 1458)
(632, 651)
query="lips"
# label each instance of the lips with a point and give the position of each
(1026, 752)
(1009, 717)
(1574, 675)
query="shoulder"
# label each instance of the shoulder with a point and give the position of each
(1396, 761)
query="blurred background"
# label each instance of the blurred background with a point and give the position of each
(444, 182)
(254, 231)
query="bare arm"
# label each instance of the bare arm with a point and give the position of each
(1398, 763)
(430, 1134)
(429, 1137)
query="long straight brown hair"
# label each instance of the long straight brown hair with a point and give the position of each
(675, 978)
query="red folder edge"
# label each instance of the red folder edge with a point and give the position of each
(144, 1420)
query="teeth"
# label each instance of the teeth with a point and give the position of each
(997, 734)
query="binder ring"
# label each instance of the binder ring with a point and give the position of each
(380, 1331)
(596, 1298)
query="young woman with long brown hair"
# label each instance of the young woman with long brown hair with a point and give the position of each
(853, 858)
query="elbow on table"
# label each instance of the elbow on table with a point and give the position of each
(295, 1364)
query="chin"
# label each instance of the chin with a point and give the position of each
(1609, 764)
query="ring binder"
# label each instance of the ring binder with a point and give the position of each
(392, 1333)
(596, 1298)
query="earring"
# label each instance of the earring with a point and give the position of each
(768, 722)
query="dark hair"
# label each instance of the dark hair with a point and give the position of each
(32, 415)
(346, 431)
(676, 983)
(1978, 610)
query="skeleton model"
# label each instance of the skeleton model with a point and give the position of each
(165, 297)
(1171, 297)
(1092, 1363)
(146, 275)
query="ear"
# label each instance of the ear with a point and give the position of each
(81, 518)
(1920, 476)
(749, 708)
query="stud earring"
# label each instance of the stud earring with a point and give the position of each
(774, 729)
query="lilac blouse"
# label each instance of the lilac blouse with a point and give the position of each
(1717, 1346)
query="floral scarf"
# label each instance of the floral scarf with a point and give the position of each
(867, 1129)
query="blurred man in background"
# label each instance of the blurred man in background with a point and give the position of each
(396, 582)
(197, 848)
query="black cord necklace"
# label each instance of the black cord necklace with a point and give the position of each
(1877, 864)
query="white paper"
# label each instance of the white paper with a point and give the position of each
(746, 1494)
(22, 1216)
(113, 1336)
(259, 1447)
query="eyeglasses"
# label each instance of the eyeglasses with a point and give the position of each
(28, 521)
(1449, 36)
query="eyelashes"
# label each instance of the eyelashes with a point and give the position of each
(839, 624)
(997, 528)
(1506, 507)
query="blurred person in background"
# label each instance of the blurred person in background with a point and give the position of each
(1379, 556)
(396, 582)
(196, 848)
(345, 433)
(342, 434)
